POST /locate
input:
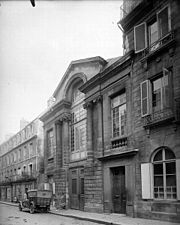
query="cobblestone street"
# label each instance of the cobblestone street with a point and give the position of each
(10, 215)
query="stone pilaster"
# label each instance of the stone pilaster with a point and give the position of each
(89, 107)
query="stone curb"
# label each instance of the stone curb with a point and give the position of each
(86, 219)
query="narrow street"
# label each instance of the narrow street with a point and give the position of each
(10, 215)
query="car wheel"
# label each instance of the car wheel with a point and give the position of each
(31, 209)
(20, 208)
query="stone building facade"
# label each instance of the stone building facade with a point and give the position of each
(151, 30)
(21, 162)
(112, 135)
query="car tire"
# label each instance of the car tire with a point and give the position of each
(20, 208)
(31, 209)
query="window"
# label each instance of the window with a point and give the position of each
(19, 155)
(31, 149)
(30, 169)
(156, 94)
(119, 115)
(24, 169)
(140, 37)
(164, 22)
(158, 28)
(164, 167)
(78, 126)
(153, 35)
(50, 138)
(77, 95)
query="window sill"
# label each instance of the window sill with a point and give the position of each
(164, 200)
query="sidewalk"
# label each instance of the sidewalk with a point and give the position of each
(104, 218)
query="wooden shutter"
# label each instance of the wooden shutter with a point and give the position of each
(146, 181)
(130, 183)
(46, 186)
(145, 98)
(140, 39)
(164, 21)
(178, 178)
(167, 88)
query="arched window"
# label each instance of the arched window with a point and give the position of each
(78, 124)
(164, 171)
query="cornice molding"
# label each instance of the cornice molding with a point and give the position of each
(55, 108)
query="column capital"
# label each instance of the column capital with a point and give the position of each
(65, 117)
(98, 99)
(88, 105)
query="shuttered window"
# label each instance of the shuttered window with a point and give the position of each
(156, 94)
(140, 37)
(145, 97)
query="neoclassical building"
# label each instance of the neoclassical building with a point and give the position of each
(21, 162)
(112, 136)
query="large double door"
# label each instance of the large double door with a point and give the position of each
(77, 188)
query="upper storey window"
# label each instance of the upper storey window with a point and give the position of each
(149, 33)
(156, 94)
(77, 96)
(118, 105)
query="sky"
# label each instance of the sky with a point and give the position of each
(37, 45)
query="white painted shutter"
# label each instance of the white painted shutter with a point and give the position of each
(53, 188)
(178, 178)
(146, 181)
(140, 39)
(145, 97)
(46, 186)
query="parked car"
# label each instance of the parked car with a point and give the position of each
(37, 200)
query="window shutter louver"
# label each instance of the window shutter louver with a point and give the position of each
(146, 181)
(145, 98)
(140, 39)
(178, 178)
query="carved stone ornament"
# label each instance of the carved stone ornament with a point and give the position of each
(65, 117)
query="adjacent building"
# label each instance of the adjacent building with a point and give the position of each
(152, 32)
(21, 162)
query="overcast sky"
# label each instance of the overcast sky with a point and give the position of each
(38, 43)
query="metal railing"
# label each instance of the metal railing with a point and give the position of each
(159, 43)
(158, 116)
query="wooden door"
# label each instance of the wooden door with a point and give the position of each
(118, 189)
(77, 188)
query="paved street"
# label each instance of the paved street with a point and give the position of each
(10, 215)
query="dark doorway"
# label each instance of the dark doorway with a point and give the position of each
(118, 189)
(77, 188)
